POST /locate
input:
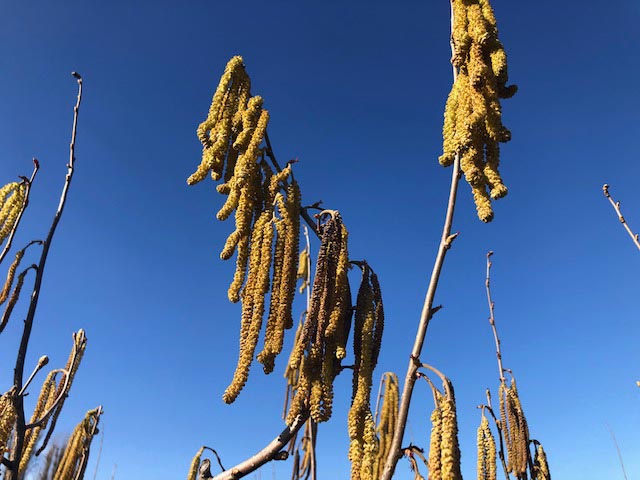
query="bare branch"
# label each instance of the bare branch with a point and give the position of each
(26, 334)
(616, 207)
(492, 320)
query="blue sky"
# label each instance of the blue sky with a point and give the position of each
(356, 91)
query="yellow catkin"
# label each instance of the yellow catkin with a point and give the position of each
(195, 464)
(252, 303)
(64, 385)
(435, 442)
(540, 465)
(46, 398)
(4, 294)
(519, 432)
(8, 416)
(13, 299)
(75, 455)
(12, 198)
(365, 361)
(486, 451)
(388, 419)
(449, 448)
(473, 118)
(303, 269)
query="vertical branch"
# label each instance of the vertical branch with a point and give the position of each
(615, 442)
(395, 452)
(616, 207)
(28, 323)
(25, 203)
(492, 320)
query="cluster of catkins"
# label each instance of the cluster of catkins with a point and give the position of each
(12, 197)
(76, 453)
(388, 419)
(444, 450)
(472, 119)
(367, 337)
(486, 451)
(320, 344)
(515, 430)
(267, 217)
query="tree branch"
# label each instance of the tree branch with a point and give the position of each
(616, 207)
(26, 334)
(268, 453)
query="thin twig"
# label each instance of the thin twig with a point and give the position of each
(616, 207)
(492, 319)
(25, 203)
(615, 442)
(42, 362)
(28, 323)
(217, 456)
(395, 452)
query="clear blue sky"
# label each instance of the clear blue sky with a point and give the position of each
(356, 90)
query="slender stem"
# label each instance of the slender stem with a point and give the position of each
(492, 319)
(395, 452)
(268, 453)
(25, 203)
(303, 213)
(28, 323)
(615, 442)
(616, 207)
(217, 456)
(42, 362)
(314, 438)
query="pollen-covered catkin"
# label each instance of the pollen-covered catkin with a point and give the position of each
(388, 419)
(449, 447)
(365, 325)
(435, 442)
(473, 118)
(13, 299)
(518, 431)
(8, 416)
(12, 198)
(46, 399)
(540, 465)
(486, 451)
(4, 294)
(195, 464)
(75, 456)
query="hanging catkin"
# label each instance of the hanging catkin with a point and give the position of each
(449, 447)
(435, 442)
(195, 464)
(8, 416)
(12, 197)
(75, 455)
(515, 429)
(540, 465)
(473, 120)
(388, 419)
(266, 206)
(366, 337)
(486, 451)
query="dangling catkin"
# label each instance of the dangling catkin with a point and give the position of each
(4, 294)
(473, 119)
(540, 465)
(435, 442)
(195, 464)
(486, 451)
(388, 419)
(366, 349)
(76, 452)
(46, 398)
(449, 448)
(12, 197)
(13, 299)
(8, 416)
